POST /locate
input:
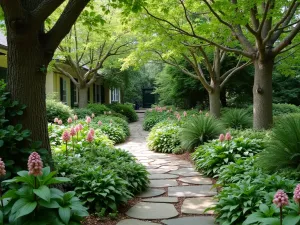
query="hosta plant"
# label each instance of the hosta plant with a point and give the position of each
(34, 202)
(210, 157)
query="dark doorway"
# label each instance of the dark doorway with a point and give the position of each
(148, 97)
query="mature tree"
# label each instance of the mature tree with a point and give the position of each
(206, 61)
(89, 47)
(263, 29)
(31, 48)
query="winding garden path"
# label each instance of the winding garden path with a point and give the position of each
(178, 195)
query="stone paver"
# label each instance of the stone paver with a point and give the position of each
(196, 180)
(162, 199)
(162, 176)
(163, 170)
(186, 172)
(191, 191)
(197, 205)
(151, 193)
(199, 220)
(152, 211)
(135, 222)
(155, 171)
(163, 183)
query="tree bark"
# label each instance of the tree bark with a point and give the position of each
(27, 68)
(83, 97)
(262, 94)
(214, 101)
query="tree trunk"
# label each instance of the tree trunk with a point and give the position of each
(83, 97)
(262, 94)
(27, 69)
(214, 102)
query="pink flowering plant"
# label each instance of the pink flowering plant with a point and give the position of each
(33, 199)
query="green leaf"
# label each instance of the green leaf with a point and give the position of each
(43, 192)
(264, 208)
(1, 217)
(58, 180)
(26, 209)
(1, 143)
(292, 219)
(65, 214)
(51, 205)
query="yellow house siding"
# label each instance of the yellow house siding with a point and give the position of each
(3, 61)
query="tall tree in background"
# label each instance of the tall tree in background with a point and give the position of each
(262, 29)
(89, 46)
(31, 48)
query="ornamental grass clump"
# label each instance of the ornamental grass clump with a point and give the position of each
(198, 130)
(283, 146)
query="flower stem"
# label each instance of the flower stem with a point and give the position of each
(280, 215)
(73, 143)
(66, 148)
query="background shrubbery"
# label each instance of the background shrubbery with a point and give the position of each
(57, 109)
(125, 109)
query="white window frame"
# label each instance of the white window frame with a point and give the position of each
(115, 95)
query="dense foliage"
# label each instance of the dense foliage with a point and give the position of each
(102, 176)
(56, 109)
(164, 137)
(198, 130)
(124, 109)
(237, 118)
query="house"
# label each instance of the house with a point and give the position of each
(57, 83)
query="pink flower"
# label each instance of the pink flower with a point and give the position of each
(88, 119)
(35, 164)
(73, 131)
(93, 115)
(227, 136)
(70, 120)
(75, 117)
(92, 131)
(207, 114)
(55, 120)
(77, 128)
(2, 168)
(66, 136)
(184, 113)
(281, 199)
(99, 123)
(222, 137)
(59, 122)
(297, 194)
(178, 117)
(90, 137)
(200, 111)
(80, 127)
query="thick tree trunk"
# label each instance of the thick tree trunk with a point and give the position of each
(83, 97)
(262, 94)
(26, 82)
(214, 102)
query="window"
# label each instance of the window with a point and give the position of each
(97, 93)
(115, 95)
(75, 93)
(63, 90)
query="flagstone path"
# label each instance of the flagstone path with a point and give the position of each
(172, 181)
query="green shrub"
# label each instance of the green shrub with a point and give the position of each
(249, 133)
(126, 110)
(31, 201)
(116, 121)
(101, 189)
(238, 200)
(59, 110)
(198, 130)
(98, 109)
(283, 148)
(82, 112)
(104, 177)
(283, 109)
(114, 133)
(164, 137)
(210, 157)
(153, 117)
(237, 119)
